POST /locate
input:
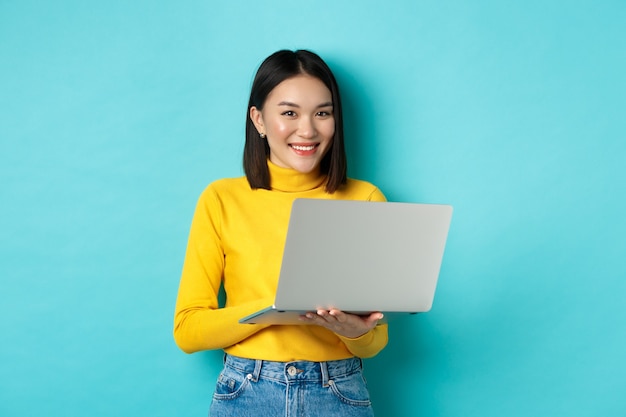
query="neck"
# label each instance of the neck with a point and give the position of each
(290, 180)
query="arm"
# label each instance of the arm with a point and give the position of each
(199, 323)
(199, 328)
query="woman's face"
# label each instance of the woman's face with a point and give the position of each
(297, 118)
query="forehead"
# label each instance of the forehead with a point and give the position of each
(301, 90)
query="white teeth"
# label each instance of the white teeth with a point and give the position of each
(303, 148)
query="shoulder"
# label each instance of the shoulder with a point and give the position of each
(226, 184)
(222, 188)
(355, 189)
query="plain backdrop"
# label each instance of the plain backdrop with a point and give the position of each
(115, 115)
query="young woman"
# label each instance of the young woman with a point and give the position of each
(294, 149)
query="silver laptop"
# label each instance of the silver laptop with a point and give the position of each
(358, 257)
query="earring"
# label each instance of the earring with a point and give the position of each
(262, 135)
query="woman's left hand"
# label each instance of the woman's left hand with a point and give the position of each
(343, 324)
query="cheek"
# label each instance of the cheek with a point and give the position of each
(279, 127)
(327, 130)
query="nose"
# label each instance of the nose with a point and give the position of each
(306, 128)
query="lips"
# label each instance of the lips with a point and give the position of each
(301, 149)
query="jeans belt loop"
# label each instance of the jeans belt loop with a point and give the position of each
(257, 370)
(324, 372)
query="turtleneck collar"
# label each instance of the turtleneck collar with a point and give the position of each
(290, 180)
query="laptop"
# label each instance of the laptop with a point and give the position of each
(359, 257)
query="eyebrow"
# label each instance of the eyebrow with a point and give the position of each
(290, 104)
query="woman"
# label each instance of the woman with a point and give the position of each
(294, 149)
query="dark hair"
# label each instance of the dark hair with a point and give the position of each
(275, 69)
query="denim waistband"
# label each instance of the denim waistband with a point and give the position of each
(294, 370)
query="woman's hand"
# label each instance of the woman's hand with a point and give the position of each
(343, 324)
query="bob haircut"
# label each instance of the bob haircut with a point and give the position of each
(275, 69)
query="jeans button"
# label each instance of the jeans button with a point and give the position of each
(292, 370)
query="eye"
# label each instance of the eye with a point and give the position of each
(324, 114)
(289, 113)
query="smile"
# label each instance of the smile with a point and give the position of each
(303, 148)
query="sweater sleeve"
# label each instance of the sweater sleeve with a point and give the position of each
(199, 323)
(369, 344)
(377, 196)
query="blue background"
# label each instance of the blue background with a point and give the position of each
(115, 115)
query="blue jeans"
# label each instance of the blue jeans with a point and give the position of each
(248, 387)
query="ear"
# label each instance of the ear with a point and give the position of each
(257, 119)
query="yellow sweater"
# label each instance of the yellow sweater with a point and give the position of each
(237, 236)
